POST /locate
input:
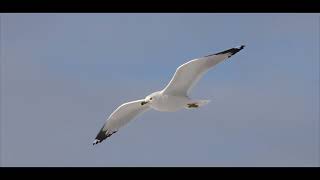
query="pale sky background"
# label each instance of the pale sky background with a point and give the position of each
(63, 74)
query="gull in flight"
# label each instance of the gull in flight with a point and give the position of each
(173, 97)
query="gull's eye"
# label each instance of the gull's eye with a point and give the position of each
(151, 98)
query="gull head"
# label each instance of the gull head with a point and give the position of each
(150, 98)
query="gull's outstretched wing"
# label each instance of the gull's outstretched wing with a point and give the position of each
(121, 116)
(187, 75)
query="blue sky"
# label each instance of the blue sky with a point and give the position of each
(63, 74)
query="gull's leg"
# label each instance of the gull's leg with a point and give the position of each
(196, 103)
(192, 105)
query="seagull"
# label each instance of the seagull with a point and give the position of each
(173, 97)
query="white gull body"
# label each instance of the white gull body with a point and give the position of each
(173, 97)
(166, 102)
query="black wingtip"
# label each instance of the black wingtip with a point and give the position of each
(102, 135)
(96, 141)
(242, 46)
(230, 52)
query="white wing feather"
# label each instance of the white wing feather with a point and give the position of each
(188, 74)
(120, 117)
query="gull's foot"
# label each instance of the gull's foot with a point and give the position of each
(193, 105)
